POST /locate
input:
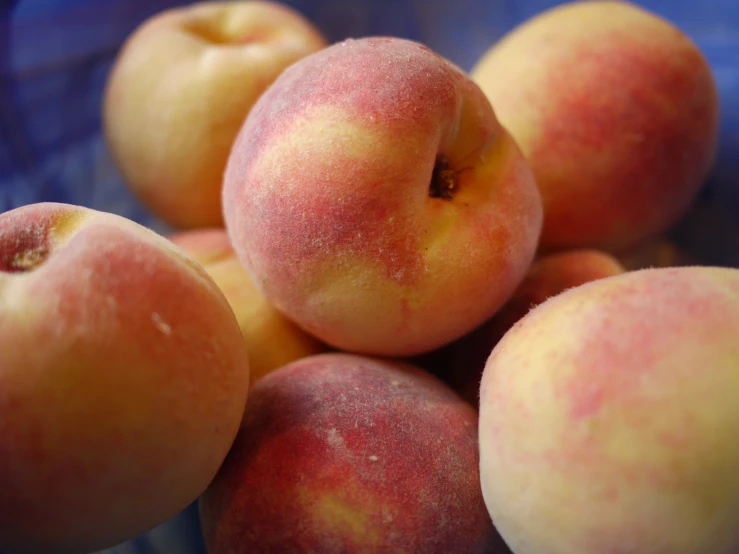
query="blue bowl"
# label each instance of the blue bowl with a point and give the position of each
(55, 56)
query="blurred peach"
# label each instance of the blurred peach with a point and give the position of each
(179, 91)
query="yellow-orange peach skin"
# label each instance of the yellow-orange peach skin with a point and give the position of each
(609, 417)
(616, 111)
(271, 339)
(377, 202)
(179, 91)
(123, 379)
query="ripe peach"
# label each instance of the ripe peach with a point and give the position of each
(179, 91)
(616, 111)
(344, 453)
(609, 417)
(271, 339)
(461, 363)
(123, 379)
(374, 198)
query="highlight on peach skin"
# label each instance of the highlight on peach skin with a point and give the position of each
(344, 453)
(271, 339)
(372, 189)
(118, 354)
(179, 90)
(617, 112)
(614, 407)
(461, 363)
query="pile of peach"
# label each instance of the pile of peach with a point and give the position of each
(403, 308)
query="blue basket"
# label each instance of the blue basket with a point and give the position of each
(55, 56)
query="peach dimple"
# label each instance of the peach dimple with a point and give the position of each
(28, 237)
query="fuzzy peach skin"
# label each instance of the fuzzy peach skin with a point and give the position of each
(179, 91)
(617, 112)
(271, 339)
(123, 379)
(461, 363)
(609, 418)
(377, 202)
(345, 453)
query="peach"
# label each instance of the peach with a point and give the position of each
(374, 197)
(461, 363)
(616, 111)
(609, 416)
(271, 339)
(123, 379)
(179, 91)
(345, 453)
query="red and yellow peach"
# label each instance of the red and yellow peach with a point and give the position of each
(123, 379)
(344, 453)
(615, 109)
(609, 417)
(374, 197)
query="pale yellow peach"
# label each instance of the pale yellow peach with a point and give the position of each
(180, 89)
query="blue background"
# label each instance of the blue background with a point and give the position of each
(55, 56)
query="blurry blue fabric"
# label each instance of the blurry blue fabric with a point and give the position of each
(55, 56)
